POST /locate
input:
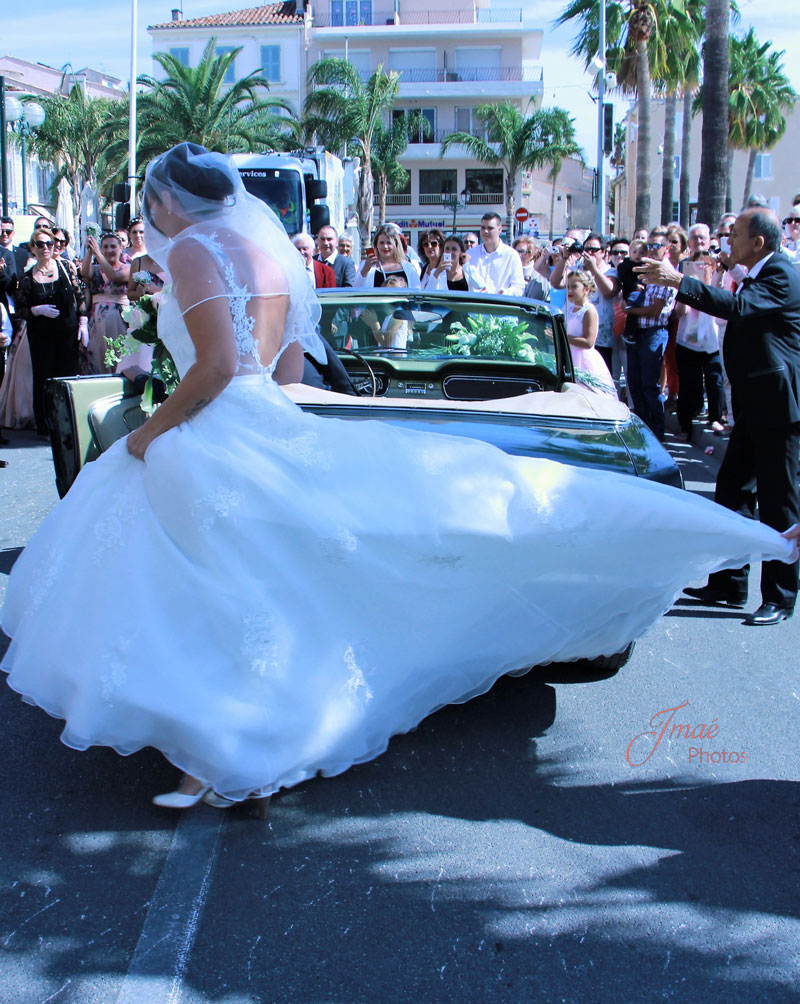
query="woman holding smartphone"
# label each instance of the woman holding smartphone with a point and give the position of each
(430, 248)
(453, 271)
(385, 257)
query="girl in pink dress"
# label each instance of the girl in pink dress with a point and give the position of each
(582, 324)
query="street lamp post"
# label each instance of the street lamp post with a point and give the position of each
(31, 118)
(23, 119)
(453, 203)
(10, 111)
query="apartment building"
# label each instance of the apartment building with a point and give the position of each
(450, 60)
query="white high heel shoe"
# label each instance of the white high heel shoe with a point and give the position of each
(218, 801)
(259, 803)
(180, 800)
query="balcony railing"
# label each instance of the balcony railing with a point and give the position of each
(487, 199)
(398, 200)
(434, 136)
(474, 74)
(475, 198)
(469, 15)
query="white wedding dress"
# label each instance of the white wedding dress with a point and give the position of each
(272, 594)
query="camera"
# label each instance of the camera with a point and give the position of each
(575, 248)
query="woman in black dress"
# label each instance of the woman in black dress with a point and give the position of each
(53, 306)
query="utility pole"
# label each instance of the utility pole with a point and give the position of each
(132, 122)
(600, 210)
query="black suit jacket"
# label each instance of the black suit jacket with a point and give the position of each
(762, 340)
(8, 279)
(344, 269)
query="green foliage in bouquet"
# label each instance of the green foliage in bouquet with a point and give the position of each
(495, 338)
(141, 318)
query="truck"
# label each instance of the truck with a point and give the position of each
(307, 189)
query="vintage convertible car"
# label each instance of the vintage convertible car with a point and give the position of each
(493, 368)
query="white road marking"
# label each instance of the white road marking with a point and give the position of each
(158, 965)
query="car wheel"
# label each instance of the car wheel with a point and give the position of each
(587, 670)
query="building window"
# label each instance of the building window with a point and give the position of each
(271, 62)
(474, 63)
(350, 12)
(423, 135)
(467, 121)
(181, 54)
(763, 168)
(485, 185)
(415, 65)
(676, 171)
(432, 183)
(359, 59)
(230, 73)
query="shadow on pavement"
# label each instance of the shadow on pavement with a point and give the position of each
(460, 865)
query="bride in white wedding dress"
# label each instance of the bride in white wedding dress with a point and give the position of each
(266, 595)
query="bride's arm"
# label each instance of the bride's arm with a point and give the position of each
(195, 277)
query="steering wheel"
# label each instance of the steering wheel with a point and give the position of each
(370, 370)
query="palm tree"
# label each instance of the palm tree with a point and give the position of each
(343, 111)
(760, 94)
(68, 137)
(714, 152)
(191, 104)
(517, 142)
(679, 31)
(635, 46)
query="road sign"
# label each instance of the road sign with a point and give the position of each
(521, 214)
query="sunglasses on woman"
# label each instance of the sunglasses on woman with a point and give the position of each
(43, 244)
(431, 244)
(792, 219)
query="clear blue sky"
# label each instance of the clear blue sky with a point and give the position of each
(96, 33)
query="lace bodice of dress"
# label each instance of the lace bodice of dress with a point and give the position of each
(172, 327)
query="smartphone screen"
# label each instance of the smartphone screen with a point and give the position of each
(447, 258)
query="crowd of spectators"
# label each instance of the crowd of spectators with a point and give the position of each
(659, 354)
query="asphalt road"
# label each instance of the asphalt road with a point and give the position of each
(504, 851)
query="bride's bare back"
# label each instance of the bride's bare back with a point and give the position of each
(228, 266)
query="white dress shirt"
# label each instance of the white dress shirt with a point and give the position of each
(498, 270)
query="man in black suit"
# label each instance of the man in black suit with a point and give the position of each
(8, 283)
(762, 359)
(343, 268)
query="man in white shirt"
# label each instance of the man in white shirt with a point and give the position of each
(497, 268)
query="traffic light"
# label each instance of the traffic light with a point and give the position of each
(122, 216)
(608, 128)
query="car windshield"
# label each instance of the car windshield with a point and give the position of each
(424, 326)
(281, 191)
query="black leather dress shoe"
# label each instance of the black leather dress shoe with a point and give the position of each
(768, 613)
(712, 597)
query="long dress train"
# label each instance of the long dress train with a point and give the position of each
(272, 594)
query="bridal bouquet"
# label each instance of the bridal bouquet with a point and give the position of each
(492, 337)
(142, 318)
